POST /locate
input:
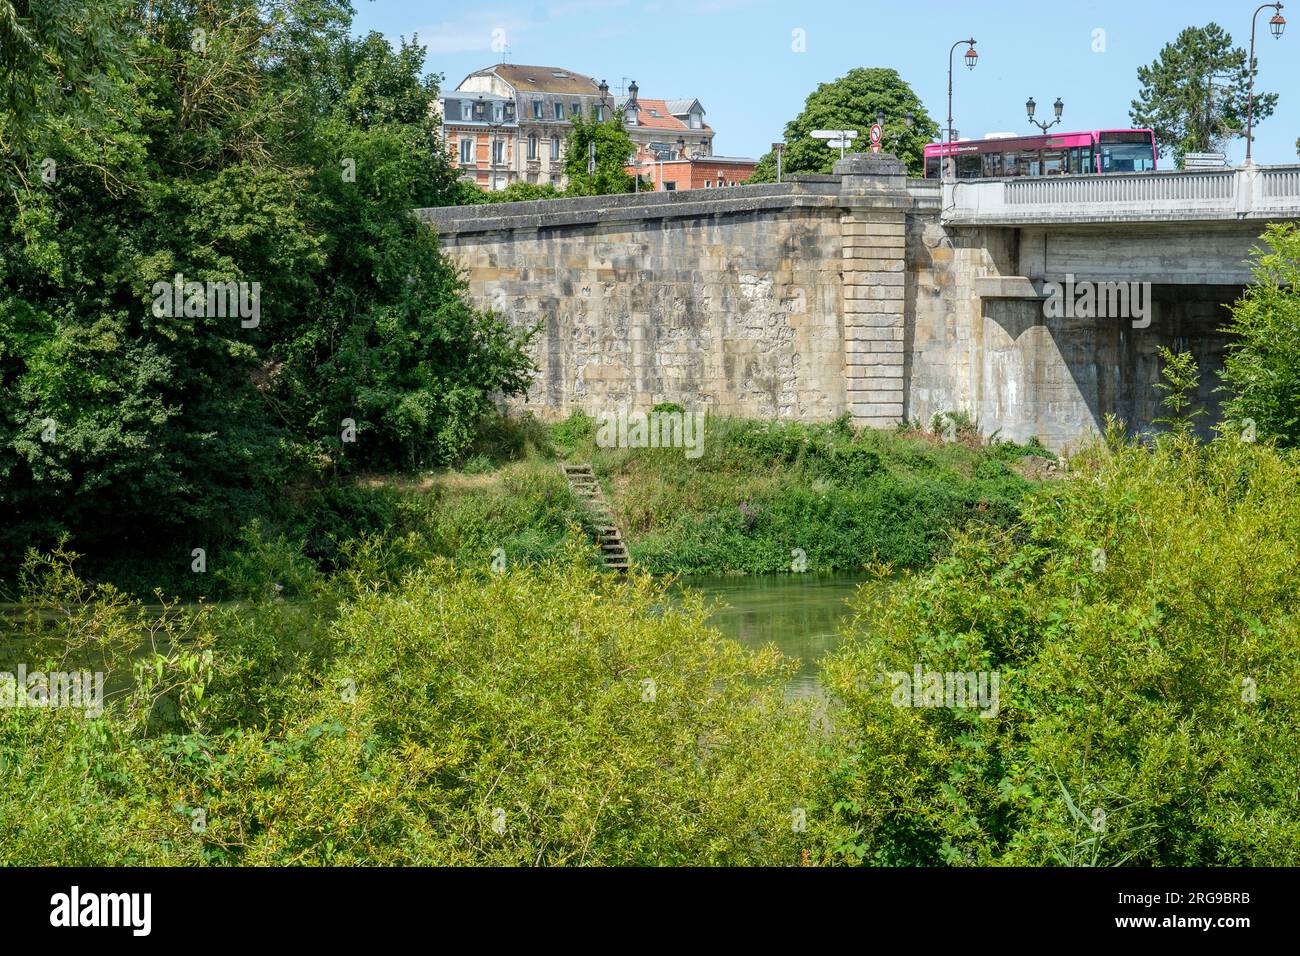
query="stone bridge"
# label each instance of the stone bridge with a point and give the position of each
(864, 291)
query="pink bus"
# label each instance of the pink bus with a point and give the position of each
(1059, 154)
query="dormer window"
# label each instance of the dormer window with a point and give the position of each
(697, 121)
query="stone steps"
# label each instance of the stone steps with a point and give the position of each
(586, 488)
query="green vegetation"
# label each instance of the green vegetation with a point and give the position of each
(241, 141)
(845, 498)
(1140, 618)
(1194, 94)
(1262, 366)
(556, 716)
(852, 102)
(760, 490)
(1142, 621)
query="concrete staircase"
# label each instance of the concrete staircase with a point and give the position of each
(585, 487)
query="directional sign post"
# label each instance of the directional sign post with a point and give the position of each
(836, 137)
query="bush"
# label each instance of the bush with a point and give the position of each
(1262, 365)
(1142, 622)
(554, 716)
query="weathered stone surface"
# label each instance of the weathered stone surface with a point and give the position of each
(842, 292)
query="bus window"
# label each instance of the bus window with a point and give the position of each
(993, 164)
(932, 167)
(970, 166)
(1053, 162)
(1081, 162)
(1126, 152)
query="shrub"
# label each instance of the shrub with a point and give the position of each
(1142, 622)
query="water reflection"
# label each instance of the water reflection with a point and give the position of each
(800, 613)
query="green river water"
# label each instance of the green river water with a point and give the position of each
(800, 613)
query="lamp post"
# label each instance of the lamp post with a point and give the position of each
(908, 120)
(1058, 106)
(1275, 26)
(971, 58)
(778, 148)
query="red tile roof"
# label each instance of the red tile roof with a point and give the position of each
(665, 119)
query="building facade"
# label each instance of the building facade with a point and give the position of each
(511, 122)
(531, 110)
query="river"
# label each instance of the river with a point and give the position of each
(800, 613)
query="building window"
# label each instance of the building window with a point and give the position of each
(466, 152)
(600, 114)
(670, 186)
(532, 146)
(537, 109)
(697, 122)
(555, 148)
(559, 111)
(575, 109)
(708, 184)
(466, 110)
(498, 152)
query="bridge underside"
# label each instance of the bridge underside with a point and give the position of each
(986, 338)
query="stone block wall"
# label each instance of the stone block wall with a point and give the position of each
(735, 310)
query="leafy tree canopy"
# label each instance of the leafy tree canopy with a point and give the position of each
(223, 141)
(613, 147)
(852, 102)
(1194, 95)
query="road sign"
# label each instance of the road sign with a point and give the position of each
(1205, 161)
(876, 134)
(839, 143)
(834, 134)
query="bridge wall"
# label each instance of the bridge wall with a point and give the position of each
(855, 292)
(709, 304)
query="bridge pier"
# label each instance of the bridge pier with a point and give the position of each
(873, 229)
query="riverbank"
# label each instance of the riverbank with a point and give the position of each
(1131, 637)
(760, 498)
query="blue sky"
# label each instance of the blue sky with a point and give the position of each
(737, 56)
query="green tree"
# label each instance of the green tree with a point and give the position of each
(1181, 379)
(613, 147)
(1194, 94)
(234, 141)
(852, 102)
(1262, 367)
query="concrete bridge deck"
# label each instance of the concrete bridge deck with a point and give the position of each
(1206, 195)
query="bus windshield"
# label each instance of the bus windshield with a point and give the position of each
(1125, 153)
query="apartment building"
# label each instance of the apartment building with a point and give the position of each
(510, 123)
(530, 110)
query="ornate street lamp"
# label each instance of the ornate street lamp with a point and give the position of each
(1058, 106)
(971, 58)
(1275, 26)
(908, 120)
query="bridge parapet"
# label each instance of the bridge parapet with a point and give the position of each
(1251, 192)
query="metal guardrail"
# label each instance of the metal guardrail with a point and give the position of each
(1246, 193)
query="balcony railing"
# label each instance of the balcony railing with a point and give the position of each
(1252, 192)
